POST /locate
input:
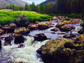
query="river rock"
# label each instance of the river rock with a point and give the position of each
(40, 37)
(6, 28)
(1, 31)
(19, 39)
(13, 26)
(59, 24)
(8, 39)
(33, 27)
(0, 44)
(55, 29)
(22, 21)
(21, 45)
(61, 50)
(54, 18)
(69, 36)
(42, 26)
(21, 30)
(65, 28)
(80, 31)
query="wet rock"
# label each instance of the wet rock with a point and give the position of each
(21, 30)
(19, 39)
(1, 31)
(69, 36)
(21, 45)
(0, 44)
(72, 27)
(8, 40)
(80, 39)
(80, 31)
(57, 51)
(13, 26)
(59, 24)
(65, 28)
(54, 18)
(33, 27)
(6, 28)
(61, 33)
(70, 22)
(55, 29)
(42, 26)
(53, 32)
(40, 37)
(22, 21)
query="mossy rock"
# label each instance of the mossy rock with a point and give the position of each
(22, 21)
(61, 50)
(65, 28)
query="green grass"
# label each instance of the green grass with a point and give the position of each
(7, 17)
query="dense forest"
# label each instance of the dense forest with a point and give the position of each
(58, 7)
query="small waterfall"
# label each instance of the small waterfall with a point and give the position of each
(26, 54)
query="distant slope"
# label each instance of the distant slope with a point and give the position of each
(8, 2)
(49, 1)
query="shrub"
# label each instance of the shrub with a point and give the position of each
(67, 19)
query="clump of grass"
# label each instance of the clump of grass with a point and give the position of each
(67, 19)
(9, 17)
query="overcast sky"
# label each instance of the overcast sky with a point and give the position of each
(35, 1)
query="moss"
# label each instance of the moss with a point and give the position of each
(54, 45)
(60, 23)
(18, 19)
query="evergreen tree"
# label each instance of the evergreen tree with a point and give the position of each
(42, 8)
(27, 7)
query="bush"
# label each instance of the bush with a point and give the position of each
(75, 15)
(67, 19)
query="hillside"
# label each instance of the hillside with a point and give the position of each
(8, 2)
(49, 1)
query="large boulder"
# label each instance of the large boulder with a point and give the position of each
(22, 21)
(21, 30)
(65, 28)
(61, 50)
(40, 37)
(19, 39)
(42, 26)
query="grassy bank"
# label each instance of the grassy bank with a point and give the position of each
(9, 17)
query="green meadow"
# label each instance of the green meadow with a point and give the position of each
(7, 17)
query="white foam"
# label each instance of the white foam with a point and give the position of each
(28, 53)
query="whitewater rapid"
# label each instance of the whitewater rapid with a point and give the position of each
(26, 54)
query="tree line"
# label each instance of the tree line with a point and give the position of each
(58, 7)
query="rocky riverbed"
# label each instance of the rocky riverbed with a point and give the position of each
(23, 44)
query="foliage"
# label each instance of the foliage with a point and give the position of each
(67, 19)
(9, 17)
(76, 15)
(83, 25)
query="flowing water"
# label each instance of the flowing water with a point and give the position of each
(28, 53)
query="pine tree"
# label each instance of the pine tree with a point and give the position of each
(42, 8)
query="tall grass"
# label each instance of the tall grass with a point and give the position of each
(9, 17)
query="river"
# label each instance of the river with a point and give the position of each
(28, 54)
